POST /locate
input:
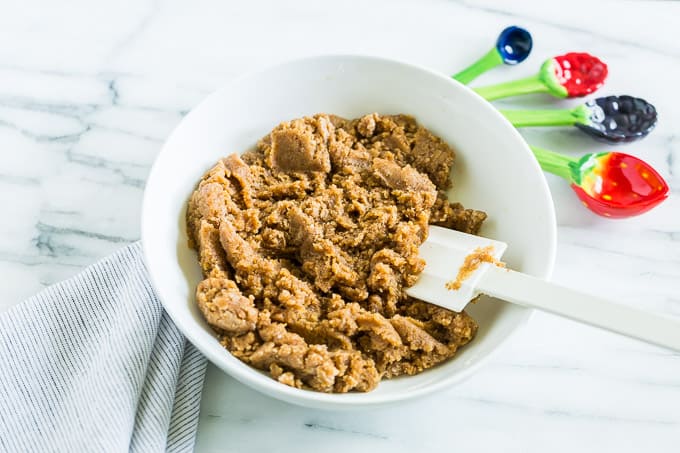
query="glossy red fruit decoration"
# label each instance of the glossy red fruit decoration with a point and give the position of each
(579, 73)
(619, 185)
(611, 184)
(571, 75)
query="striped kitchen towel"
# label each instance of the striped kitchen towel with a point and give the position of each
(94, 364)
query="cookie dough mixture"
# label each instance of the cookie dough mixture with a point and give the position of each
(308, 242)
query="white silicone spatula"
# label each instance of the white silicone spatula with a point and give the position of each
(445, 252)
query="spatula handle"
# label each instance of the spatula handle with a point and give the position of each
(530, 291)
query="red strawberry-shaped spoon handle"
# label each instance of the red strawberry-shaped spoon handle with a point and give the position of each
(570, 75)
(610, 184)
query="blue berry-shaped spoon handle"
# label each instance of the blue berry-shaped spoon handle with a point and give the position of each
(513, 46)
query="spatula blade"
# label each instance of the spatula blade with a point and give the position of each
(444, 253)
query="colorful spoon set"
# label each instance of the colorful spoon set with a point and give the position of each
(611, 184)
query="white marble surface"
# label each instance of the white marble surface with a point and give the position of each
(88, 91)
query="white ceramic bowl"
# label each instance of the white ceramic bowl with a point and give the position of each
(494, 171)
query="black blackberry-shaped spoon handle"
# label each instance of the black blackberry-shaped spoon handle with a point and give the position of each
(610, 119)
(619, 119)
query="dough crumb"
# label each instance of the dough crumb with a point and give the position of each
(472, 262)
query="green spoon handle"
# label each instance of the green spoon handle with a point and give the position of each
(527, 85)
(487, 62)
(523, 118)
(554, 163)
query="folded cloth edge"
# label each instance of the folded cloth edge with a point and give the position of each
(94, 363)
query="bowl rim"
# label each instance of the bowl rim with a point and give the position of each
(343, 401)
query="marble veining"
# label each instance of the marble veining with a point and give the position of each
(88, 93)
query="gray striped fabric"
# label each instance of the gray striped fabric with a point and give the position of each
(94, 364)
